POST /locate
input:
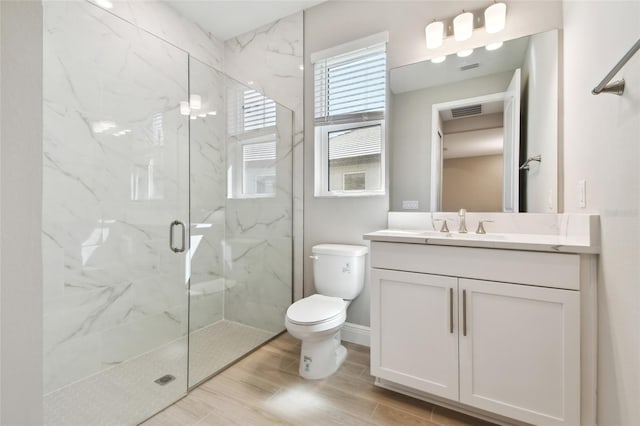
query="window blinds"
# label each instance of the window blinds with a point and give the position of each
(351, 87)
(259, 111)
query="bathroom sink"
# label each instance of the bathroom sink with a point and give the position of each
(464, 236)
(420, 233)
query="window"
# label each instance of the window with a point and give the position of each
(258, 167)
(349, 103)
(252, 149)
(354, 181)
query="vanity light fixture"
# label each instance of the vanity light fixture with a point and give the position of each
(438, 59)
(463, 26)
(434, 32)
(495, 18)
(107, 4)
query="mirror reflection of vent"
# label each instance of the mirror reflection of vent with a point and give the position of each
(469, 67)
(466, 111)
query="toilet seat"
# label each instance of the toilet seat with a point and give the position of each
(316, 309)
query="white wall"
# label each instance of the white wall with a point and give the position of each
(20, 206)
(602, 146)
(540, 74)
(333, 23)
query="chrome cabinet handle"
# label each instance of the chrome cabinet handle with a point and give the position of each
(184, 235)
(451, 310)
(464, 312)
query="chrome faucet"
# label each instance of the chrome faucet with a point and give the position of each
(463, 226)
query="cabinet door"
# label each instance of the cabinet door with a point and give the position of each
(520, 352)
(414, 339)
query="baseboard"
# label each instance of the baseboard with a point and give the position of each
(355, 333)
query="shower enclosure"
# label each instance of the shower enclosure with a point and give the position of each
(167, 203)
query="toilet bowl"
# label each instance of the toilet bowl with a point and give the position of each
(317, 320)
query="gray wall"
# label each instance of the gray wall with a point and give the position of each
(20, 201)
(333, 23)
(410, 134)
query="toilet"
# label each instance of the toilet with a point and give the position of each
(338, 273)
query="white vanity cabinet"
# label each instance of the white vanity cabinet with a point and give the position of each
(494, 330)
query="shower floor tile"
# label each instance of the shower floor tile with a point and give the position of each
(220, 344)
(126, 394)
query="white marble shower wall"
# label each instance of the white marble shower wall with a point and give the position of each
(258, 252)
(271, 57)
(114, 141)
(208, 194)
(115, 175)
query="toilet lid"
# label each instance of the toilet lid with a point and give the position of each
(315, 309)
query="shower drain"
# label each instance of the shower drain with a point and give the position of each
(165, 379)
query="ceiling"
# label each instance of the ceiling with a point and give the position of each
(225, 19)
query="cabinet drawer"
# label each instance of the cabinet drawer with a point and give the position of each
(559, 270)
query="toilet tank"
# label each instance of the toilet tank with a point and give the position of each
(338, 269)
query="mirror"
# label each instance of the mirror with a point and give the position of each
(462, 130)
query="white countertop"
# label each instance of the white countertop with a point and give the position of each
(573, 234)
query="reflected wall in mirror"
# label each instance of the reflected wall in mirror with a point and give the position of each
(460, 129)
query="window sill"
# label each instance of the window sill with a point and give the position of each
(351, 194)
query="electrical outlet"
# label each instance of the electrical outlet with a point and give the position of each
(410, 204)
(582, 194)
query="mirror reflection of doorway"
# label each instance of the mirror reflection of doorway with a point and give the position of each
(475, 152)
(472, 171)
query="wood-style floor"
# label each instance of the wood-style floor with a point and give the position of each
(264, 389)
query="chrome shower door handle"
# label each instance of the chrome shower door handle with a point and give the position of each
(184, 236)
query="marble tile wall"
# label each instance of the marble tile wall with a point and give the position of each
(116, 158)
(258, 245)
(208, 194)
(160, 19)
(271, 57)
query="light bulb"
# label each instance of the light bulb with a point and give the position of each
(495, 17)
(195, 102)
(464, 53)
(104, 3)
(463, 26)
(434, 33)
(493, 46)
(438, 59)
(184, 108)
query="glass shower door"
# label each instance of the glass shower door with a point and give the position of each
(241, 214)
(115, 219)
